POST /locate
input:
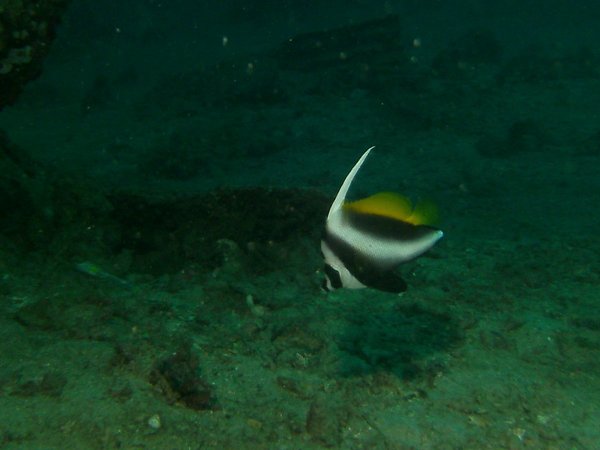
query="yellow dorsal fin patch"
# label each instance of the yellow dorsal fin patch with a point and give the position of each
(425, 213)
(396, 206)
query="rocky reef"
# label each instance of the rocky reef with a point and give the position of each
(27, 29)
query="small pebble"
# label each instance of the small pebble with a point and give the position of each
(154, 422)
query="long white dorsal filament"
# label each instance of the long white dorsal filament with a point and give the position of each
(341, 195)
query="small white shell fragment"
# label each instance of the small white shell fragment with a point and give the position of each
(255, 309)
(154, 422)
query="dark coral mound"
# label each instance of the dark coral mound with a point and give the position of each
(165, 233)
(27, 29)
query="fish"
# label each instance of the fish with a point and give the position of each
(93, 270)
(364, 241)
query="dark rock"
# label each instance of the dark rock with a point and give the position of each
(39, 315)
(163, 233)
(121, 394)
(27, 30)
(323, 423)
(51, 384)
(44, 207)
(178, 379)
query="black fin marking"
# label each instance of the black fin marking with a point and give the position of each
(386, 281)
(333, 276)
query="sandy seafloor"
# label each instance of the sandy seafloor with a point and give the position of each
(496, 343)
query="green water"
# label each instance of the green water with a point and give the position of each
(188, 153)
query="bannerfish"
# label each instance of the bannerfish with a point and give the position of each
(364, 241)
